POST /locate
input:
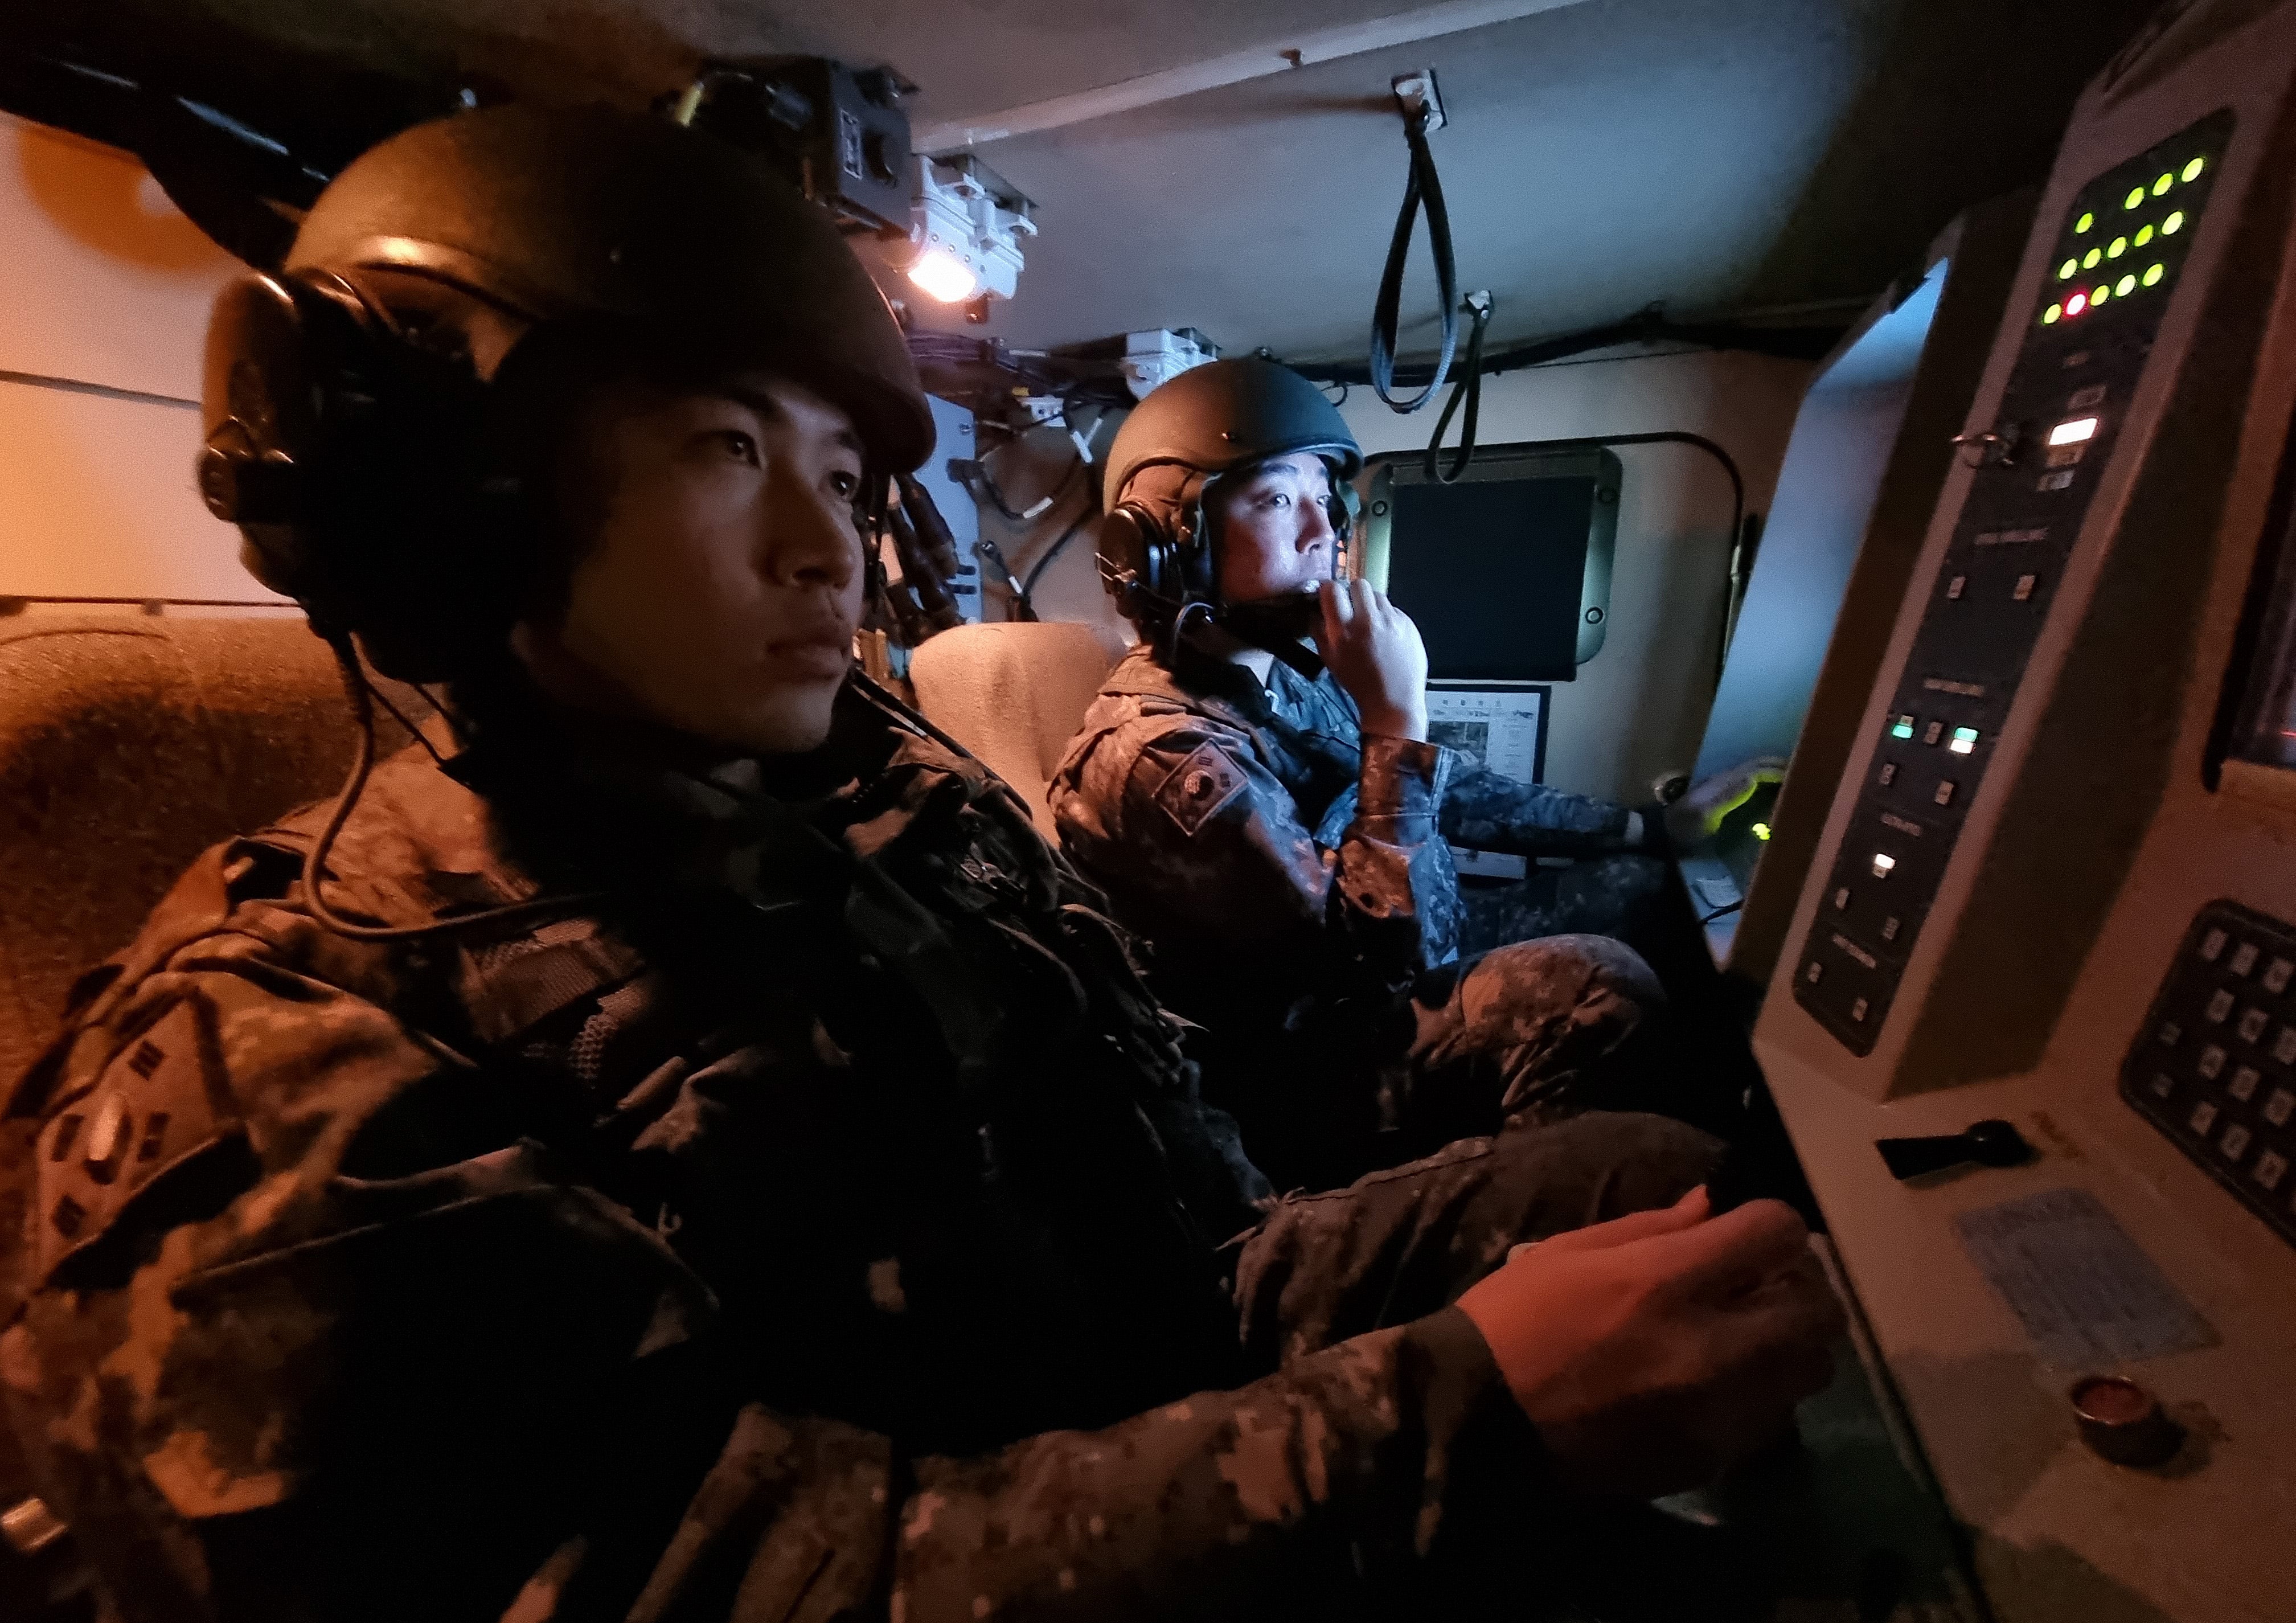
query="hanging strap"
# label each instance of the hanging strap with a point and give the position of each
(1423, 185)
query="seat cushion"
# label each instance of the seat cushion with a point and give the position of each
(1014, 693)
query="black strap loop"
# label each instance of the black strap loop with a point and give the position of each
(1425, 184)
(1469, 387)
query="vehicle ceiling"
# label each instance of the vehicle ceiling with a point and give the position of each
(1720, 156)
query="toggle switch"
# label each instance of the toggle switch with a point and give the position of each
(1988, 1143)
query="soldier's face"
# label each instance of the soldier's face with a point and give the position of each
(1273, 534)
(722, 581)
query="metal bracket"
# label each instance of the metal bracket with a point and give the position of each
(1418, 93)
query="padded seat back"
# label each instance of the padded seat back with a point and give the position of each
(128, 746)
(1014, 694)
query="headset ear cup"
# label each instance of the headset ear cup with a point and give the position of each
(1135, 559)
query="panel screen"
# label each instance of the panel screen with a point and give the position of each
(2267, 728)
(1493, 572)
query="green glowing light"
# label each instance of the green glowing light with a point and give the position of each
(2144, 235)
(2100, 293)
(2083, 223)
(2050, 316)
(2066, 272)
(2119, 247)
(2174, 224)
(1761, 830)
(2152, 277)
(1903, 727)
(2161, 186)
(2090, 259)
(1964, 740)
(2135, 200)
(2125, 286)
(2193, 169)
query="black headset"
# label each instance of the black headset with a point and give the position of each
(359, 463)
(1156, 563)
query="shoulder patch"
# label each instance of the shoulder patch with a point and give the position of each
(158, 1104)
(1196, 789)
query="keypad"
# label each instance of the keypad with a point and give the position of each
(2214, 1067)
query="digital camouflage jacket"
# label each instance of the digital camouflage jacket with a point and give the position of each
(810, 1217)
(1290, 872)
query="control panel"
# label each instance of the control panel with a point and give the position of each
(2119, 249)
(2214, 1065)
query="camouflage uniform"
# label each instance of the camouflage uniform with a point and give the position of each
(1295, 881)
(812, 1217)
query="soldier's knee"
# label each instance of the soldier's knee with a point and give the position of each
(1586, 978)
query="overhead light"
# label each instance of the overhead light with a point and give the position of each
(944, 276)
(967, 227)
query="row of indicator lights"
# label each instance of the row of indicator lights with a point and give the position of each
(2074, 265)
(2101, 293)
(1965, 739)
(2137, 194)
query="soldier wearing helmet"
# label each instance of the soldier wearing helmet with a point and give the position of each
(678, 1143)
(1281, 834)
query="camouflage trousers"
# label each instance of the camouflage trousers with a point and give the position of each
(1404, 1242)
(1530, 1032)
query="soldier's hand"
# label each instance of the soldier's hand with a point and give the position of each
(1376, 654)
(1653, 1351)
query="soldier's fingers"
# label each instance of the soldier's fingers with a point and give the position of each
(1635, 1226)
(1328, 598)
(1732, 1254)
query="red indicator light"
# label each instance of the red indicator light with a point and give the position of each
(2077, 304)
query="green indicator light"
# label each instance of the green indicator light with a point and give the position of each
(2090, 259)
(1903, 727)
(2161, 186)
(1964, 740)
(2144, 235)
(2152, 277)
(2065, 271)
(2135, 200)
(2193, 169)
(2100, 293)
(2083, 223)
(2174, 224)
(2125, 286)
(1761, 830)
(2119, 247)
(2049, 315)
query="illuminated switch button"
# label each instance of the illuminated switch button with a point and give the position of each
(2235, 1142)
(1933, 732)
(1882, 863)
(2212, 1062)
(1903, 727)
(2170, 1031)
(2220, 1007)
(1815, 972)
(1964, 741)
(2023, 588)
(2244, 958)
(1944, 795)
(1955, 587)
(2252, 1022)
(1889, 930)
(1889, 774)
(2243, 1085)
(2280, 1107)
(2275, 976)
(2163, 1084)
(2270, 1168)
(1857, 1010)
(1840, 897)
(2284, 1046)
(2213, 944)
(2204, 1118)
